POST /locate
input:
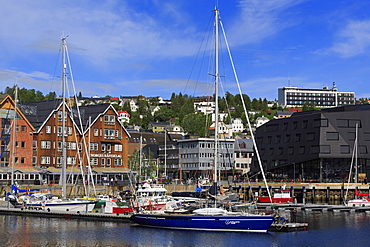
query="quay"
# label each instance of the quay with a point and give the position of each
(67, 215)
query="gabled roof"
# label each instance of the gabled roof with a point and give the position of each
(38, 112)
(6, 97)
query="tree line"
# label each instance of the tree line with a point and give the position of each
(181, 112)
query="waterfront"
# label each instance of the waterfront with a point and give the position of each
(325, 229)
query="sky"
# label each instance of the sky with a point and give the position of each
(153, 47)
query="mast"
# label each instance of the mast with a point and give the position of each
(216, 98)
(165, 152)
(64, 151)
(356, 148)
(14, 132)
(140, 155)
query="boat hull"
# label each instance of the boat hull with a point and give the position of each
(206, 223)
(266, 199)
(64, 206)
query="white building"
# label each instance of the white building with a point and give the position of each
(243, 149)
(205, 107)
(294, 96)
(261, 121)
(236, 125)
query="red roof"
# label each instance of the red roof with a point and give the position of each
(295, 109)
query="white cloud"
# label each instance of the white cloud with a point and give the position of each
(353, 39)
(261, 19)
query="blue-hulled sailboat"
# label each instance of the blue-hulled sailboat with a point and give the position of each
(214, 218)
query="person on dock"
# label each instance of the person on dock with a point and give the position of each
(294, 215)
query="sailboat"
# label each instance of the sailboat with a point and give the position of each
(211, 218)
(48, 201)
(361, 199)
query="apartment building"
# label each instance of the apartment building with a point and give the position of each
(325, 97)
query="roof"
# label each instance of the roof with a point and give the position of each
(38, 112)
(288, 113)
(20, 169)
(99, 170)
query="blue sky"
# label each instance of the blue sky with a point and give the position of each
(149, 47)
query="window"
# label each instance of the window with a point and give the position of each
(109, 148)
(295, 124)
(297, 137)
(108, 162)
(268, 140)
(117, 162)
(60, 115)
(310, 136)
(48, 129)
(69, 130)
(342, 123)
(96, 132)
(71, 145)
(118, 147)
(287, 138)
(109, 119)
(103, 162)
(272, 127)
(108, 133)
(353, 122)
(277, 138)
(71, 160)
(23, 128)
(325, 149)
(291, 150)
(45, 160)
(332, 136)
(103, 148)
(94, 146)
(304, 124)
(285, 126)
(94, 161)
(45, 144)
(301, 149)
(362, 149)
(344, 149)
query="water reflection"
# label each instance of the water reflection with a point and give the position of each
(325, 229)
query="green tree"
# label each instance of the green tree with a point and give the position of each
(51, 96)
(196, 124)
(164, 114)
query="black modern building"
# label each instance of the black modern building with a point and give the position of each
(317, 146)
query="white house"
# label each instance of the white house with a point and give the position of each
(260, 121)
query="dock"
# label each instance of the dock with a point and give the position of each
(68, 215)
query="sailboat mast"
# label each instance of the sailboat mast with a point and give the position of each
(14, 132)
(356, 148)
(64, 151)
(216, 96)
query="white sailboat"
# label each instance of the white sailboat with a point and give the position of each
(48, 201)
(211, 218)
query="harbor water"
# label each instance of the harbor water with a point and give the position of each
(325, 229)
